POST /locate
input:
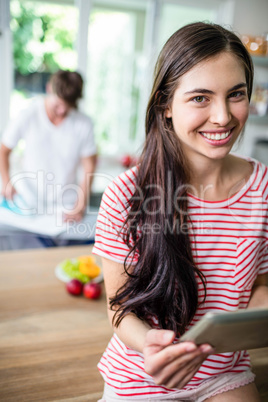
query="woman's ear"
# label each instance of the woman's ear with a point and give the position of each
(168, 113)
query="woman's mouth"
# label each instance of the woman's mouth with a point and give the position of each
(217, 138)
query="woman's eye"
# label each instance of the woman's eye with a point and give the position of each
(237, 94)
(199, 99)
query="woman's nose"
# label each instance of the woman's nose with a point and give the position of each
(220, 113)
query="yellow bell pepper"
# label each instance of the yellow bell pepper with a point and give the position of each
(88, 266)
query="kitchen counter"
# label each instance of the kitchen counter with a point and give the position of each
(50, 341)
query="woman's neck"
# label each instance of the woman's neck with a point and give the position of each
(215, 180)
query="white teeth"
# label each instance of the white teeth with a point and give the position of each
(216, 136)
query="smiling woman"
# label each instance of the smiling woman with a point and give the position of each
(209, 249)
(210, 107)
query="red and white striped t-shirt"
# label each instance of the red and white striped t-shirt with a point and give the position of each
(230, 247)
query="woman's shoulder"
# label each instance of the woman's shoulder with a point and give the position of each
(257, 172)
(126, 178)
(247, 163)
(121, 188)
(244, 158)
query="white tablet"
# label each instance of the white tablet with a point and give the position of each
(231, 331)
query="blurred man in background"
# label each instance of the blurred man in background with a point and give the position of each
(59, 140)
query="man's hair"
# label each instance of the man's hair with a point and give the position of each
(67, 85)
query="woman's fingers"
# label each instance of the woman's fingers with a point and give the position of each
(176, 362)
(159, 338)
(178, 378)
(158, 357)
(155, 342)
(170, 353)
(172, 365)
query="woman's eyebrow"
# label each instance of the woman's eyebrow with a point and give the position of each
(208, 91)
(199, 91)
(238, 86)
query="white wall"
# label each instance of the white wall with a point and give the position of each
(251, 17)
(6, 65)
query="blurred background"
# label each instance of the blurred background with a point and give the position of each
(114, 44)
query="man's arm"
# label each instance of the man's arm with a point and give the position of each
(8, 190)
(89, 166)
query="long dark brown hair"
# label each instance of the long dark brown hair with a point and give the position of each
(163, 283)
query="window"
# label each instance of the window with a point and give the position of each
(115, 45)
(174, 16)
(44, 35)
(124, 40)
(119, 50)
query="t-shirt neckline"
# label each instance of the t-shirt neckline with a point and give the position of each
(47, 120)
(230, 200)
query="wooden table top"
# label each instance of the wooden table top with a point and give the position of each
(50, 341)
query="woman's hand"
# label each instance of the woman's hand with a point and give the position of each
(172, 365)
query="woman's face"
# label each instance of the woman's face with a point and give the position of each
(210, 107)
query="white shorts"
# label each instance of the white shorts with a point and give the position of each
(210, 387)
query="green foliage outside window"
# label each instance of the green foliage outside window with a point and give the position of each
(43, 36)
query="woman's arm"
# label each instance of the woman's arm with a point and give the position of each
(172, 365)
(259, 293)
(131, 331)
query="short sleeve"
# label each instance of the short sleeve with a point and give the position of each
(110, 228)
(16, 129)
(88, 146)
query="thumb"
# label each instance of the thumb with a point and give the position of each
(157, 337)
